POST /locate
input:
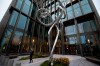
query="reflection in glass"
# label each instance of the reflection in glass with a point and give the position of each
(5, 40)
(88, 10)
(13, 18)
(70, 30)
(22, 22)
(70, 15)
(16, 42)
(83, 39)
(26, 6)
(26, 43)
(77, 10)
(19, 4)
(72, 40)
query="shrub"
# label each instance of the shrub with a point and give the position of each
(57, 62)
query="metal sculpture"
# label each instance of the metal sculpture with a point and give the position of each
(42, 13)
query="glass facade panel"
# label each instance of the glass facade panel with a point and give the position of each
(80, 27)
(19, 4)
(13, 18)
(22, 22)
(26, 43)
(83, 2)
(88, 10)
(16, 42)
(5, 40)
(70, 15)
(70, 30)
(77, 10)
(70, 12)
(86, 26)
(83, 39)
(26, 6)
(72, 40)
(93, 25)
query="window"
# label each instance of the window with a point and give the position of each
(13, 18)
(77, 10)
(85, 6)
(19, 4)
(86, 9)
(70, 12)
(70, 15)
(83, 2)
(26, 43)
(5, 40)
(86, 26)
(83, 39)
(80, 27)
(93, 25)
(26, 6)
(70, 30)
(16, 42)
(72, 40)
(22, 22)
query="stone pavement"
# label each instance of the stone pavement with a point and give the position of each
(74, 61)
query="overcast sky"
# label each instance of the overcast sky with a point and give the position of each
(5, 3)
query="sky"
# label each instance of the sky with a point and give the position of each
(4, 4)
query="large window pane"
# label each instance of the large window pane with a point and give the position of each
(72, 40)
(83, 39)
(83, 2)
(77, 12)
(70, 30)
(13, 18)
(69, 9)
(70, 15)
(86, 26)
(80, 27)
(19, 4)
(26, 43)
(88, 10)
(5, 39)
(22, 22)
(26, 6)
(93, 25)
(16, 42)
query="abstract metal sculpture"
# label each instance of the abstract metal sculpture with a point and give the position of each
(42, 13)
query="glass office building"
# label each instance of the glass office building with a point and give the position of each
(21, 30)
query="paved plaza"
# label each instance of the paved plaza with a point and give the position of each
(74, 61)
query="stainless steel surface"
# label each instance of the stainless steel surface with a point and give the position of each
(42, 13)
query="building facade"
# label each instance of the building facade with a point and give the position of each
(21, 31)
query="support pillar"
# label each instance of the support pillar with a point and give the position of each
(78, 37)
